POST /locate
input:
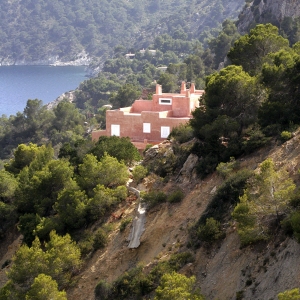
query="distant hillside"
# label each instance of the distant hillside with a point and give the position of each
(46, 31)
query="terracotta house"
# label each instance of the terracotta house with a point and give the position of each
(151, 121)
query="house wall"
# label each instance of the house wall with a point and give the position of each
(130, 120)
(141, 105)
(131, 125)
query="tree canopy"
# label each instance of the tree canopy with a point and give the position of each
(251, 49)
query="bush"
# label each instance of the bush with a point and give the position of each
(176, 196)
(103, 290)
(138, 173)
(251, 235)
(124, 224)
(289, 295)
(100, 239)
(227, 195)
(211, 231)
(129, 284)
(182, 133)
(224, 169)
(223, 201)
(86, 243)
(285, 135)
(294, 221)
(135, 284)
(207, 165)
(153, 198)
(120, 148)
(256, 139)
(177, 286)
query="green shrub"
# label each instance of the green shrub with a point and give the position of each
(207, 165)
(211, 231)
(251, 235)
(224, 169)
(139, 172)
(124, 224)
(134, 284)
(86, 243)
(220, 207)
(239, 295)
(285, 135)
(46, 225)
(293, 294)
(8, 217)
(227, 195)
(294, 220)
(256, 139)
(178, 260)
(182, 133)
(120, 148)
(103, 290)
(295, 200)
(128, 285)
(176, 196)
(153, 198)
(100, 239)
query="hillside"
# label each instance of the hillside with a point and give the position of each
(47, 32)
(221, 193)
(275, 12)
(223, 270)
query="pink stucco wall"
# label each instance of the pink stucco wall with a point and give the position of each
(131, 119)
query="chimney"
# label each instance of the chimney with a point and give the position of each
(158, 89)
(187, 93)
(183, 88)
(192, 88)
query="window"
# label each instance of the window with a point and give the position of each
(164, 132)
(146, 127)
(165, 101)
(115, 130)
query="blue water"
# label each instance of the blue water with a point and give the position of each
(46, 83)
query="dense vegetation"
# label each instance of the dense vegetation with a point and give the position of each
(35, 30)
(52, 200)
(249, 101)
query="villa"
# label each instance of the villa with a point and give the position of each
(151, 121)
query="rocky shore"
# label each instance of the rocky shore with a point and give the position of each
(70, 96)
(81, 59)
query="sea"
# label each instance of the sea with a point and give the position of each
(46, 83)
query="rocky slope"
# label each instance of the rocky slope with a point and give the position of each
(223, 271)
(267, 10)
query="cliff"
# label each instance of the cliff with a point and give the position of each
(263, 11)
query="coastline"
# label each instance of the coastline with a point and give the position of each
(81, 59)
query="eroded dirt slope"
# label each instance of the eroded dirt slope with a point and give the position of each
(222, 272)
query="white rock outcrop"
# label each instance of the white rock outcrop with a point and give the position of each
(81, 59)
